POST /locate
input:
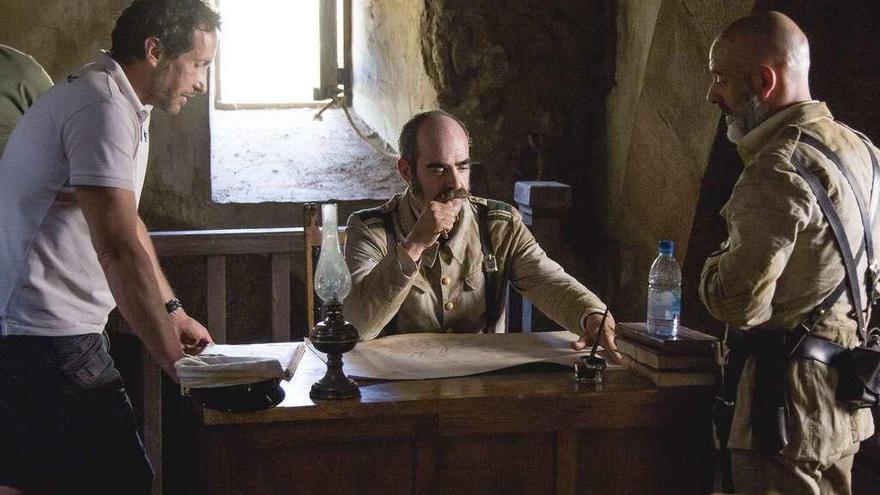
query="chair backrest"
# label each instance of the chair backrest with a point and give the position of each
(311, 253)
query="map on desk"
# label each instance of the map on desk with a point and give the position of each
(418, 356)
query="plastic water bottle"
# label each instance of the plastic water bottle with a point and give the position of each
(664, 291)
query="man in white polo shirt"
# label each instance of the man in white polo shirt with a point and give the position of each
(72, 247)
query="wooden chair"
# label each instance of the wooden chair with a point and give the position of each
(311, 253)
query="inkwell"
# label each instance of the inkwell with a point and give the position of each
(333, 336)
(589, 369)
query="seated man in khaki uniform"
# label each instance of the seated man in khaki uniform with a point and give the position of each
(780, 261)
(435, 259)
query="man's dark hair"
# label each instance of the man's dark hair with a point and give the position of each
(408, 144)
(171, 21)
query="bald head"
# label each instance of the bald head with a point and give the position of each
(768, 38)
(760, 64)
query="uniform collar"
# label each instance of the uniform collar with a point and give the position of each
(105, 62)
(798, 113)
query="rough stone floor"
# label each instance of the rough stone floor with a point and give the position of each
(286, 155)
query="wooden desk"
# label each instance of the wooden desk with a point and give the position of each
(531, 432)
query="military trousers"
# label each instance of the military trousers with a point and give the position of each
(759, 473)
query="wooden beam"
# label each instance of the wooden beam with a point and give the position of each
(216, 297)
(566, 461)
(228, 242)
(151, 373)
(281, 297)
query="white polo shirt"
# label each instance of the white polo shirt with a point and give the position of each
(88, 130)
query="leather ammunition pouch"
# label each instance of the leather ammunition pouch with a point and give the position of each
(858, 382)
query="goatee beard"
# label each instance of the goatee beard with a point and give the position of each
(738, 126)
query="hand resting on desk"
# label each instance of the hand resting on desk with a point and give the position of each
(591, 329)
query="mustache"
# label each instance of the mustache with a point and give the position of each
(450, 194)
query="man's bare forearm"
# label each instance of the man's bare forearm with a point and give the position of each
(133, 283)
(165, 289)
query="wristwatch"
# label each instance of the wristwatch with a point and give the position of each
(173, 305)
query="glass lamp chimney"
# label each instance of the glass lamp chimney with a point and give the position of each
(332, 277)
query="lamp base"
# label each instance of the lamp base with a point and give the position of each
(334, 336)
(335, 387)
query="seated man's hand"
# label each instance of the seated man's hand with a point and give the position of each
(607, 337)
(437, 218)
(192, 334)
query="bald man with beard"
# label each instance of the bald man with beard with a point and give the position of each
(781, 261)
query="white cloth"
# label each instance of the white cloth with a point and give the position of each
(88, 130)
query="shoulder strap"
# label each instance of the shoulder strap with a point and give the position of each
(490, 265)
(860, 201)
(495, 279)
(851, 278)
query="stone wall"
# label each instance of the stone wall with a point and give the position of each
(605, 96)
(388, 73)
(669, 147)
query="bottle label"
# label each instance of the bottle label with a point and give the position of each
(665, 305)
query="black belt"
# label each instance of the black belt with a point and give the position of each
(775, 340)
(821, 350)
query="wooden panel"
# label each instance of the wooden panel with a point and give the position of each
(610, 459)
(281, 297)
(566, 462)
(518, 432)
(152, 415)
(329, 457)
(228, 242)
(216, 297)
(510, 465)
(231, 241)
(427, 443)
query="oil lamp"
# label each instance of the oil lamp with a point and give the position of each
(334, 336)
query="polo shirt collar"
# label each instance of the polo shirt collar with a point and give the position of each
(104, 61)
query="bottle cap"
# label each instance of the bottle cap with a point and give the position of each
(666, 247)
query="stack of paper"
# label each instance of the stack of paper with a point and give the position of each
(227, 365)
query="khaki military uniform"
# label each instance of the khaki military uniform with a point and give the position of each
(445, 292)
(780, 261)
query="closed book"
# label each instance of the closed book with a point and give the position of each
(685, 342)
(650, 358)
(677, 378)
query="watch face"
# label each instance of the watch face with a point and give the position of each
(173, 305)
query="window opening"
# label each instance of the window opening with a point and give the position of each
(279, 61)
